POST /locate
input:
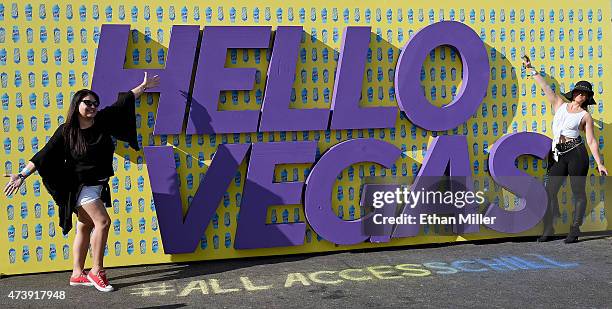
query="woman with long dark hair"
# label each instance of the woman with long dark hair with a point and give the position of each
(75, 166)
(568, 154)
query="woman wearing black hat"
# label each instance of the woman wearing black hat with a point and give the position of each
(569, 155)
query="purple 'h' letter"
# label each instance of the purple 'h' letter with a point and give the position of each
(110, 77)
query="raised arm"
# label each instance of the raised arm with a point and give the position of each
(147, 83)
(554, 99)
(592, 142)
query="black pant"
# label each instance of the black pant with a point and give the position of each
(574, 163)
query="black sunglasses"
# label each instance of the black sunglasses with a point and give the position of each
(91, 103)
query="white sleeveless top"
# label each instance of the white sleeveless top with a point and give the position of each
(566, 124)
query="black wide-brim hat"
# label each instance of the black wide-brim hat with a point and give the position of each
(584, 86)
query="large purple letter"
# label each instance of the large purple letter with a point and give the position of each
(445, 151)
(260, 192)
(212, 77)
(533, 198)
(347, 87)
(276, 114)
(409, 93)
(110, 78)
(317, 199)
(182, 235)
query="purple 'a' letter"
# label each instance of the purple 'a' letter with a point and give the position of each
(444, 151)
(276, 114)
(260, 192)
(181, 235)
(317, 199)
(409, 93)
(212, 77)
(533, 198)
(110, 78)
(347, 87)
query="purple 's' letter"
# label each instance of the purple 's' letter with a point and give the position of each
(533, 196)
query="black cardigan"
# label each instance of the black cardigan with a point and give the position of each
(64, 176)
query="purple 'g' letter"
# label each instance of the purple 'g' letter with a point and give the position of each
(317, 199)
(410, 96)
(260, 192)
(276, 114)
(212, 77)
(110, 78)
(533, 198)
(181, 235)
(347, 88)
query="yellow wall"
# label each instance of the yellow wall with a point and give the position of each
(583, 33)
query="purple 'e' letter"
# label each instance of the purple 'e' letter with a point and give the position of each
(260, 191)
(212, 77)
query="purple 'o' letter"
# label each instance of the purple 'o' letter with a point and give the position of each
(410, 96)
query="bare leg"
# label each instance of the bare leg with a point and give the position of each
(101, 220)
(81, 242)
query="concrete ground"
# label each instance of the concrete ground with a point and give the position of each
(506, 273)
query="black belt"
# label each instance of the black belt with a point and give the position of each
(569, 145)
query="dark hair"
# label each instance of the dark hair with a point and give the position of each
(72, 133)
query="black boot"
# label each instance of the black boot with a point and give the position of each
(572, 237)
(548, 235)
(549, 230)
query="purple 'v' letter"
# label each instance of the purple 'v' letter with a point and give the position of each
(182, 235)
(110, 78)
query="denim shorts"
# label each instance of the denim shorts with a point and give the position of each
(88, 194)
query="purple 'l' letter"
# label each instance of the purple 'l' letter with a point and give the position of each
(276, 114)
(347, 88)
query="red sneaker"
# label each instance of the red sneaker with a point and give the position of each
(80, 280)
(100, 282)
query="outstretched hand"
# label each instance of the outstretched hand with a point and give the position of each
(13, 185)
(152, 82)
(526, 62)
(602, 170)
